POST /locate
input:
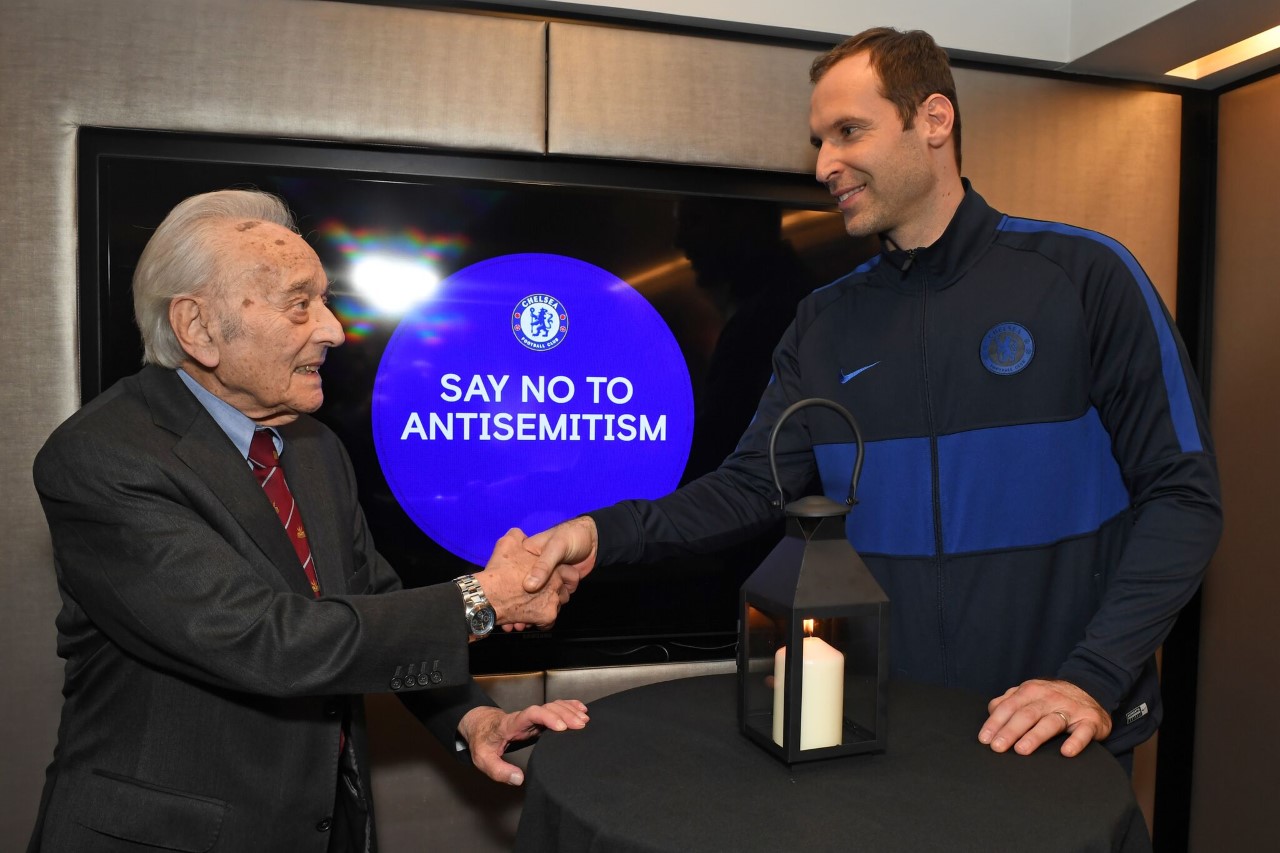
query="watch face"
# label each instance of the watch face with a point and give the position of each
(481, 619)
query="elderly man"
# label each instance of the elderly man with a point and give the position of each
(1040, 496)
(223, 604)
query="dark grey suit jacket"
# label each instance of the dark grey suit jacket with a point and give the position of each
(205, 687)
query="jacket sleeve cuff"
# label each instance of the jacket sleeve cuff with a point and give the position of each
(617, 537)
(1099, 682)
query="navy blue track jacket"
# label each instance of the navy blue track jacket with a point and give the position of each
(1039, 495)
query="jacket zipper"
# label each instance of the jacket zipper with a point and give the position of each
(940, 579)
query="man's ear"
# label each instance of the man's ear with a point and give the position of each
(190, 318)
(938, 115)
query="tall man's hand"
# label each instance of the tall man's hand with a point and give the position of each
(1034, 711)
(567, 550)
(505, 583)
(488, 731)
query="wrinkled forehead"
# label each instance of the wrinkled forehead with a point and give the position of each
(257, 250)
(259, 237)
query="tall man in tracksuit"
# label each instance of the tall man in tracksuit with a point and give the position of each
(1039, 497)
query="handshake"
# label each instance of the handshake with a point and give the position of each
(528, 579)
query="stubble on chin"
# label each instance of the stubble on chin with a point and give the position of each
(859, 227)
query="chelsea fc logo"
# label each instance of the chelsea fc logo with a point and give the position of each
(1007, 348)
(540, 322)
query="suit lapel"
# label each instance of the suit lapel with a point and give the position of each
(206, 450)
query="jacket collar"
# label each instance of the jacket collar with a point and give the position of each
(967, 237)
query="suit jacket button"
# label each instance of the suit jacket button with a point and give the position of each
(396, 683)
(324, 824)
(410, 681)
(436, 676)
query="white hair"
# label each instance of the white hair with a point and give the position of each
(182, 259)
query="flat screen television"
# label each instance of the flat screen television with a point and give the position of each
(527, 338)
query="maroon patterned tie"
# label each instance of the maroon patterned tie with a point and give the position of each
(266, 467)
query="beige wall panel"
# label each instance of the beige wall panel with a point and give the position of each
(298, 68)
(1096, 156)
(1100, 157)
(680, 99)
(1235, 789)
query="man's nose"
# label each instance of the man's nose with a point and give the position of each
(328, 330)
(827, 166)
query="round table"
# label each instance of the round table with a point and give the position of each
(665, 768)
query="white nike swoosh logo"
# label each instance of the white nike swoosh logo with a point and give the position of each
(845, 377)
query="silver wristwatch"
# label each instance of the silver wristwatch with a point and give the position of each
(480, 615)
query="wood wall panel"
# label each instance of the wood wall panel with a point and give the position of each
(1100, 157)
(1234, 788)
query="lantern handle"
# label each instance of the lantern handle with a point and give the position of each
(842, 412)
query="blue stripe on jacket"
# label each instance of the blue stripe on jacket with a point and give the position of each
(992, 488)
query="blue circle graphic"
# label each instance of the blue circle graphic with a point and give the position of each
(478, 432)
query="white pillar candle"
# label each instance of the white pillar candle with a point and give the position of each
(821, 695)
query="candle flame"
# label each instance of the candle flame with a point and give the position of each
(808, 627)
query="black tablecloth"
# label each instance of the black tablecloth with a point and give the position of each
(665, 768)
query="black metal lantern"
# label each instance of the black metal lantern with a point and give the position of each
(813, 635)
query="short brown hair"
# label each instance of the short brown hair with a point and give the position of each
(910, 65)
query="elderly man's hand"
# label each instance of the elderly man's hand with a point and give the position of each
(1037, 710)
(503, 582)
(488, 732)
(567, 550)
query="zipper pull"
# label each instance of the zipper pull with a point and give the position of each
(911, 259)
